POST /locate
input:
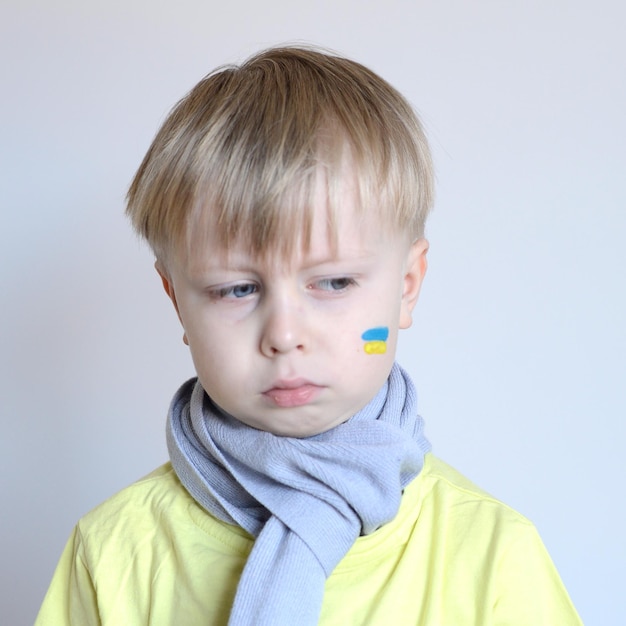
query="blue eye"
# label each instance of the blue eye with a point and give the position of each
(336, 284)
(241, 290)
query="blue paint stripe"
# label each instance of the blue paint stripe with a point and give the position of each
(380, 333)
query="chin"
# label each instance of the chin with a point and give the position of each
(298, 431)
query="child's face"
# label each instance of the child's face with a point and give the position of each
(279, 344)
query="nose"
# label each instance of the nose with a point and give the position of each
(284, 328)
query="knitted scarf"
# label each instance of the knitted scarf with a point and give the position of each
(305, 500)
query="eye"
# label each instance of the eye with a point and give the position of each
(340, 283)
(240, 290)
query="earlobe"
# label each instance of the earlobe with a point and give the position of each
(414, 275)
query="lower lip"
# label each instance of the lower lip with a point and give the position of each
(293, 397)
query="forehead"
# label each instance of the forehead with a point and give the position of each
(321, 211)
(355, 241)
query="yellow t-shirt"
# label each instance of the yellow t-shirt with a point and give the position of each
(453, 556)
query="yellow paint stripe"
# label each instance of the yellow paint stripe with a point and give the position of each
(375, 347)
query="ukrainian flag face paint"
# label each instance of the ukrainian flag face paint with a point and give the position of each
(375, 340)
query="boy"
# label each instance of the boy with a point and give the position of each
(285, 202)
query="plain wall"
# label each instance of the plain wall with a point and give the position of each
(518, 347)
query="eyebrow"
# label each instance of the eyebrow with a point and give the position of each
(337, 258)
(199, 270)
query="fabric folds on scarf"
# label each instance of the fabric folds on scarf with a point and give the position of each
(305, 500)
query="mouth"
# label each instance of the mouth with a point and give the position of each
(286, 394)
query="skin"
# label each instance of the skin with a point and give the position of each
(277, 343)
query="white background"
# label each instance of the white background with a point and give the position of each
(518, 349)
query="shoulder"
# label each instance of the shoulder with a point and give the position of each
(440, 485)
(160, 487)
(136, 510)
(473, 536)
(463, 520)
(444, 475)
(149, 550)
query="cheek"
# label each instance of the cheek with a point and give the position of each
(217, 352)
(207, 327)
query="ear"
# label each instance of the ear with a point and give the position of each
(414, 275)
(167, 282)
(168, 285)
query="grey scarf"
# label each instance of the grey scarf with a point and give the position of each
(305, 500)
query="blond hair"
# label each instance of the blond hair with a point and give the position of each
(245, 146)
